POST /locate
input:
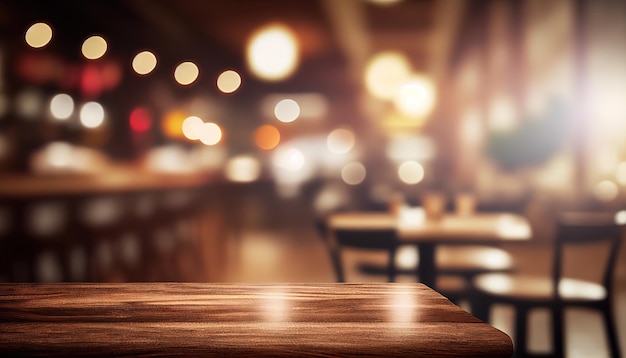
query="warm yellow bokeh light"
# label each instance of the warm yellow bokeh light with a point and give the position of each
(92, 114)
(340, 141)
(272, 53)
(186, 73)
(62, 106)
(94, 47)
(228, 81)
(267, 137)
(290, 159)
(243, 169)
(416, 97)
(172, 124)
(411, 172)
(606, 190)
(385, 73)
(210, 133)
(353, 173)
(287, 110)
(38, 35)
(144, 62)
(192, 127)
(501, 115)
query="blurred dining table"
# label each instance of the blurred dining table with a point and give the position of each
(413, 227)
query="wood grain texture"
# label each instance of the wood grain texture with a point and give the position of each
(322, 320)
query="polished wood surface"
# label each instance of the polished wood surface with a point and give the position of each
(240, 320)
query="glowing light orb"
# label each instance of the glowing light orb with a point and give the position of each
(340, 141)
(243, 168)
(267, 137)
(385, 73)
(38, 35)
(228, 81)
(287, 110)
(416, 97)
(411, 172)
(94, 47)
(272, 53)
(186, 73)
(62, 106)
(144, 62)
(192, 127)
(210, 134)
(92, 114)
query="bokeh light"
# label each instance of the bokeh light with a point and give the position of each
(416, 97)
(353, 173)
(243, 168)
(28, 104)
(606, 191)
(62, 106)
(144, 62)
(172, 123)
(267, 137)
(290, 159)
(186, 73)
(272, 53)
(340, 141)
(210, 133)
(620, 217)
(228, 81)
(385, 73)
(91, 114)
(140, 119)
(192, 127)
(411, 172)
(501, 115)
(38, 35)
(94, 47)
(287, 110)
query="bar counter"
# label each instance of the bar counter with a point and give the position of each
(156, 319)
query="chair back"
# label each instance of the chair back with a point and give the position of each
(578, 228)
(378, 240)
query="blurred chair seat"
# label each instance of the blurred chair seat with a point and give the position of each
(538, 287)
(556, 292)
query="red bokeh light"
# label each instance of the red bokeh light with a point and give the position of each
(140, 120)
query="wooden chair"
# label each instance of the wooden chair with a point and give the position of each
(556, 292)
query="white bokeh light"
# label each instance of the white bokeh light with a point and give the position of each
(353, 173)
(186, 73)
(210, 133)
(243, 168)
(287, 110)
(144, 62)
(62, 106)
(192, 127)
(340, 141)
(228, 81)
(411, 172)
(272, 53)
(91, 114)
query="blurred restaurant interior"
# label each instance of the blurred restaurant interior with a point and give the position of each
(211, 141)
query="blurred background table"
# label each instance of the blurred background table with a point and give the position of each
(240, 320)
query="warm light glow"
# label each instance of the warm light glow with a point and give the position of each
(172, 124)
(210, 134)
(62, 106)
(385, 74)
(92, 114)
(406, 257)
(267, 137)
(411, 172)
(287, 110)
(186, 73)
(192, 127)
(243, 168)
(416, 97)
(606, 190)
(94, 47)
(144, 62)
(290, 159)
(272, 53)
(228, 81)
(140, 120)
(340, 141)
(353, 173)
(620, 217)
(410, 147)
(313, 106)
(38, 35)
(501, 115)
(621, 173)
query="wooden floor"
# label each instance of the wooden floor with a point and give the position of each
(297, 254)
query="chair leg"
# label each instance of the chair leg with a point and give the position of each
(558, 331)
(481, 309)
(609, 324)
(521, 318)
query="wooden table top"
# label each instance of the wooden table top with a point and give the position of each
(451, 228)
(240, 320)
